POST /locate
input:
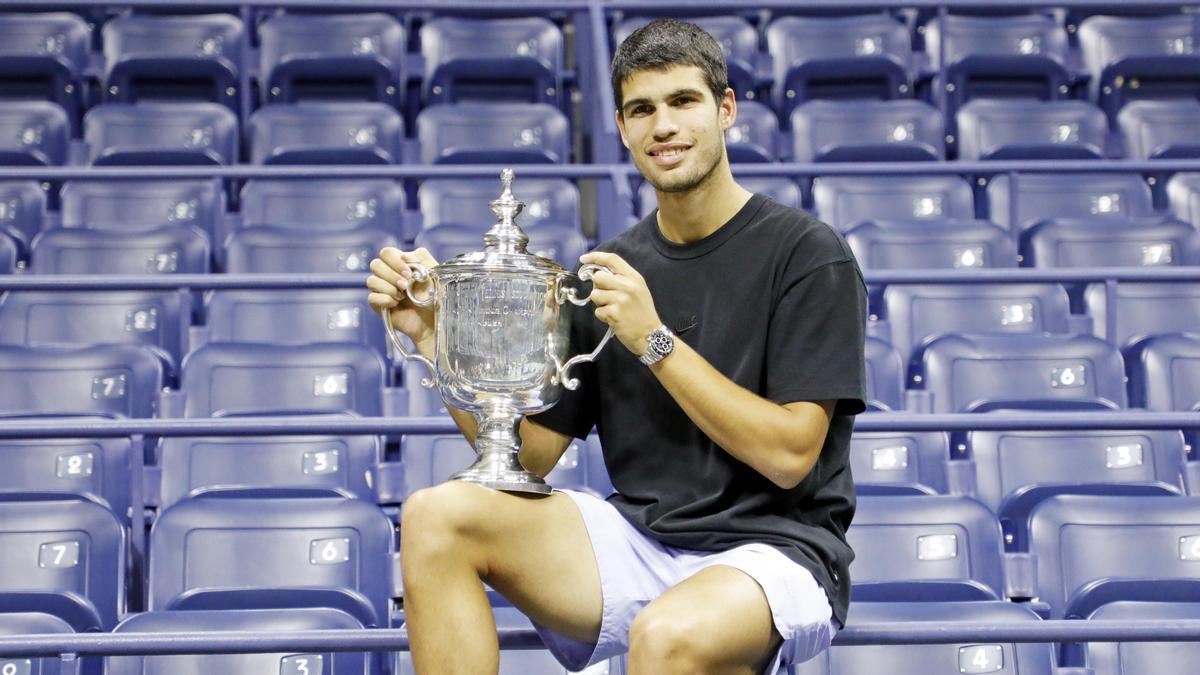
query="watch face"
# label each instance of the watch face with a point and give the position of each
(661, 342)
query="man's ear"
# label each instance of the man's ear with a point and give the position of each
(728, 109)
(621, 128)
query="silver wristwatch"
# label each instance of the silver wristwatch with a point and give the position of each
(659, 344)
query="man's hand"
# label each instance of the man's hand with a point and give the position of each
(623, 301)
(390, 278)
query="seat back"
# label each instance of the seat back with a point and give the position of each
(913, 462)
(109, 380)
(952, 38)
(299, 317)
(866, 131)
(885, 375)
(936, 244)
(326, 133)
(145, 205)
(1129, 658)
(1144, 309)
(492, 59)
(22, 211)
(1022, 129)
(166, 250)
(94, 468)
(1160, 129)
(281, 250)
(845, 201)
(1164, 372)
(173, 57)
(489, 133)
(1064, 195)
(324, 204)
(1183, 193)
(161, 133)
(33, 133)
(1111, 242)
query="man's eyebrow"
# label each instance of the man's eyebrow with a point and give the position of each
(688, 91)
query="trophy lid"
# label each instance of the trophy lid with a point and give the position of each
(505, 244)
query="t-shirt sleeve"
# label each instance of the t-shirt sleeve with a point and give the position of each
(576, 411)
(815, 339)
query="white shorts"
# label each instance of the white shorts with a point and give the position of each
(635, 569)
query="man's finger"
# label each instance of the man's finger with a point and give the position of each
(601, 297)
(397, 260)
(384, 270)
(381, 301)
(612, 261)
(378, 285)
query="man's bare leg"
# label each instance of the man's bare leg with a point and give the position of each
(534, 551)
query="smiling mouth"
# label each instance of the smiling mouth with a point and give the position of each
(668, 156)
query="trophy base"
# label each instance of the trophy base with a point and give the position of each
(526, 482)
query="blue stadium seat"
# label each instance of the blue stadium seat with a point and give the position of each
(899, 462)
(173, 57)
(987, 657)
(325, 133)
(560, 243)
(431, 460)
(1111, 242)
(934, 244)
(94, 468)
(324, 204)
(867, 56)
(492, 59)
(1016, 470)
(161, 133)
(754, 135)
(191, 466)
(157, 320)
(227, 379)
(464, 201)
(22, 211)
(1183, 193)
(885, 376)
(917, 313)
(783, 190)
(1144, 309)
(145, 205)
(1160, 129)
(491, 133)
(994, 57)
(867, 131)
(166, 250)
(280, 250)
(43, 56)
(248, 621)
(9, 253)
(1002, 129)
(13, 623)
(109, 380)
(1092, 550)
(738, 41)
(1164, 372)
(1066, 195)
(925, 548)
(1131, 658)
(845, 201)
(64, 556)
(986, 372)
(1139, 57)
(332, 56)
(273, 549)
(297, 317)
(33, 133)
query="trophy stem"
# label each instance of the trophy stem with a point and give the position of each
(498, 443)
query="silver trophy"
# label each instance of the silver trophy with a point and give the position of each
(501, 340)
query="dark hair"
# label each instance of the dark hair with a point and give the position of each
(664, 43)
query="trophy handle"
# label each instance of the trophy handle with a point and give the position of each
(420, 273)
(568, 294)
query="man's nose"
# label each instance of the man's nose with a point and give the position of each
(664, 124)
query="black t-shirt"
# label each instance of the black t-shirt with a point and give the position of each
(775, 301)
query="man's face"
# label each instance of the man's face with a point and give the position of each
(672, 127)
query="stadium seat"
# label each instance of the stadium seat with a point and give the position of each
(191, 466)
(94, 468)
(9, 254)
(157, 320)
(1066, 195)
(493, 133)
(925, 548)
(1160, 129)
(109, 380)
(332, 56)
(145, 205)
(899, 462)
(1092, 550)
(273, 549)
(916, 313)
(885, 376)
(280, 250)
(738, 41)
(1131, 658)
(934, 244)
(1144, 309)
(324, 204)
(1016, 470)
(250, 621)
(560, 243)
(492, 59)
(1139, 57)
(845, 201)
(1183, 193)
(865, 56)
(16, 623)
(194, 58)
(464, 201)
(64, 556)
(160, 133)
(867, 131)
(225, 379)
(297, 317)
(754, 136)
(22, 212)
(986, 372)
(1111, 242)
(1164, 372)
(986, 657)
(1003, 129)
(43, 56)
(325, 133)
(166, 250)
(33, 133)
(783, 190)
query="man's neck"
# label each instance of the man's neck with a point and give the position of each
(687, 217)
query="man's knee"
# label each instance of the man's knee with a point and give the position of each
(671, 644)
(446, 516)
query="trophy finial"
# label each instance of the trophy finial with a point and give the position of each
(506, 235)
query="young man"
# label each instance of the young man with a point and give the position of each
(725, 420)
